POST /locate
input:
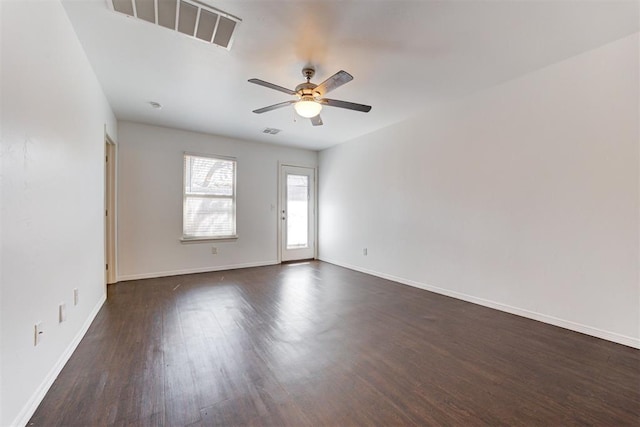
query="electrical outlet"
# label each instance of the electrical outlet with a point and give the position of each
(364, 251)
(38, 330)
(62, 312)
(214, 250)
(76, 296)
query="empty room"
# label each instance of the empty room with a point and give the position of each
(319, 213)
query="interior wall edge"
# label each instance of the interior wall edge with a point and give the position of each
(540, 317)
(30, 407)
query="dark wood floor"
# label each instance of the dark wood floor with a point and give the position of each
(313, 344)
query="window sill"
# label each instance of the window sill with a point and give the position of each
(208, 239)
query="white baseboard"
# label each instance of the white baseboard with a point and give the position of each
(153, 275)
(30, 407)
(566, 324)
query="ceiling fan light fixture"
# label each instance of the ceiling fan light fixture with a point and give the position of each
(311, 96)
(307, 107)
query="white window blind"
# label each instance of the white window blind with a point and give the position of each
(209, 203)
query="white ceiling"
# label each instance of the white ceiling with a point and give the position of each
(405, 56)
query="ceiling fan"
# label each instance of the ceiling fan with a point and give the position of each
(311, 96)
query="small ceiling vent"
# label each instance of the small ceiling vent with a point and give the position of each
(271, 131)
(186, 16)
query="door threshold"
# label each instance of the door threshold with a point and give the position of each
(298, 261)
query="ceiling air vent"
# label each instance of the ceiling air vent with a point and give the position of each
(186, 16)
(271, 131)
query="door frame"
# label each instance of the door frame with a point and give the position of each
(280, 205)
(110, 210)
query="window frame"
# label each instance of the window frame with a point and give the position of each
(187, 238)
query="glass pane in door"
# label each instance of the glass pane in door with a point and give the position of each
(297, 211)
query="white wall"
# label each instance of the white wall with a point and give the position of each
(150, 201)
(52, 188)
(523, 197)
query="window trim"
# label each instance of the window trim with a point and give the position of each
(200, 239)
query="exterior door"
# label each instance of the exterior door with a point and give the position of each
(297, 213)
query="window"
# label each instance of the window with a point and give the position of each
(209, 202)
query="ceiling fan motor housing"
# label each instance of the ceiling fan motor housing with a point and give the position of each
(307, 89)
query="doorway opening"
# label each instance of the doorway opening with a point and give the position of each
(110, 211)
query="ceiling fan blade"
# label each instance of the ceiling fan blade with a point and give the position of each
(272, 86)
(345, 104)
(333, 82)
(316, 121)
(273, 107)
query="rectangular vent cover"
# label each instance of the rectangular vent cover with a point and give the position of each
(186, 16)
(271, 131)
